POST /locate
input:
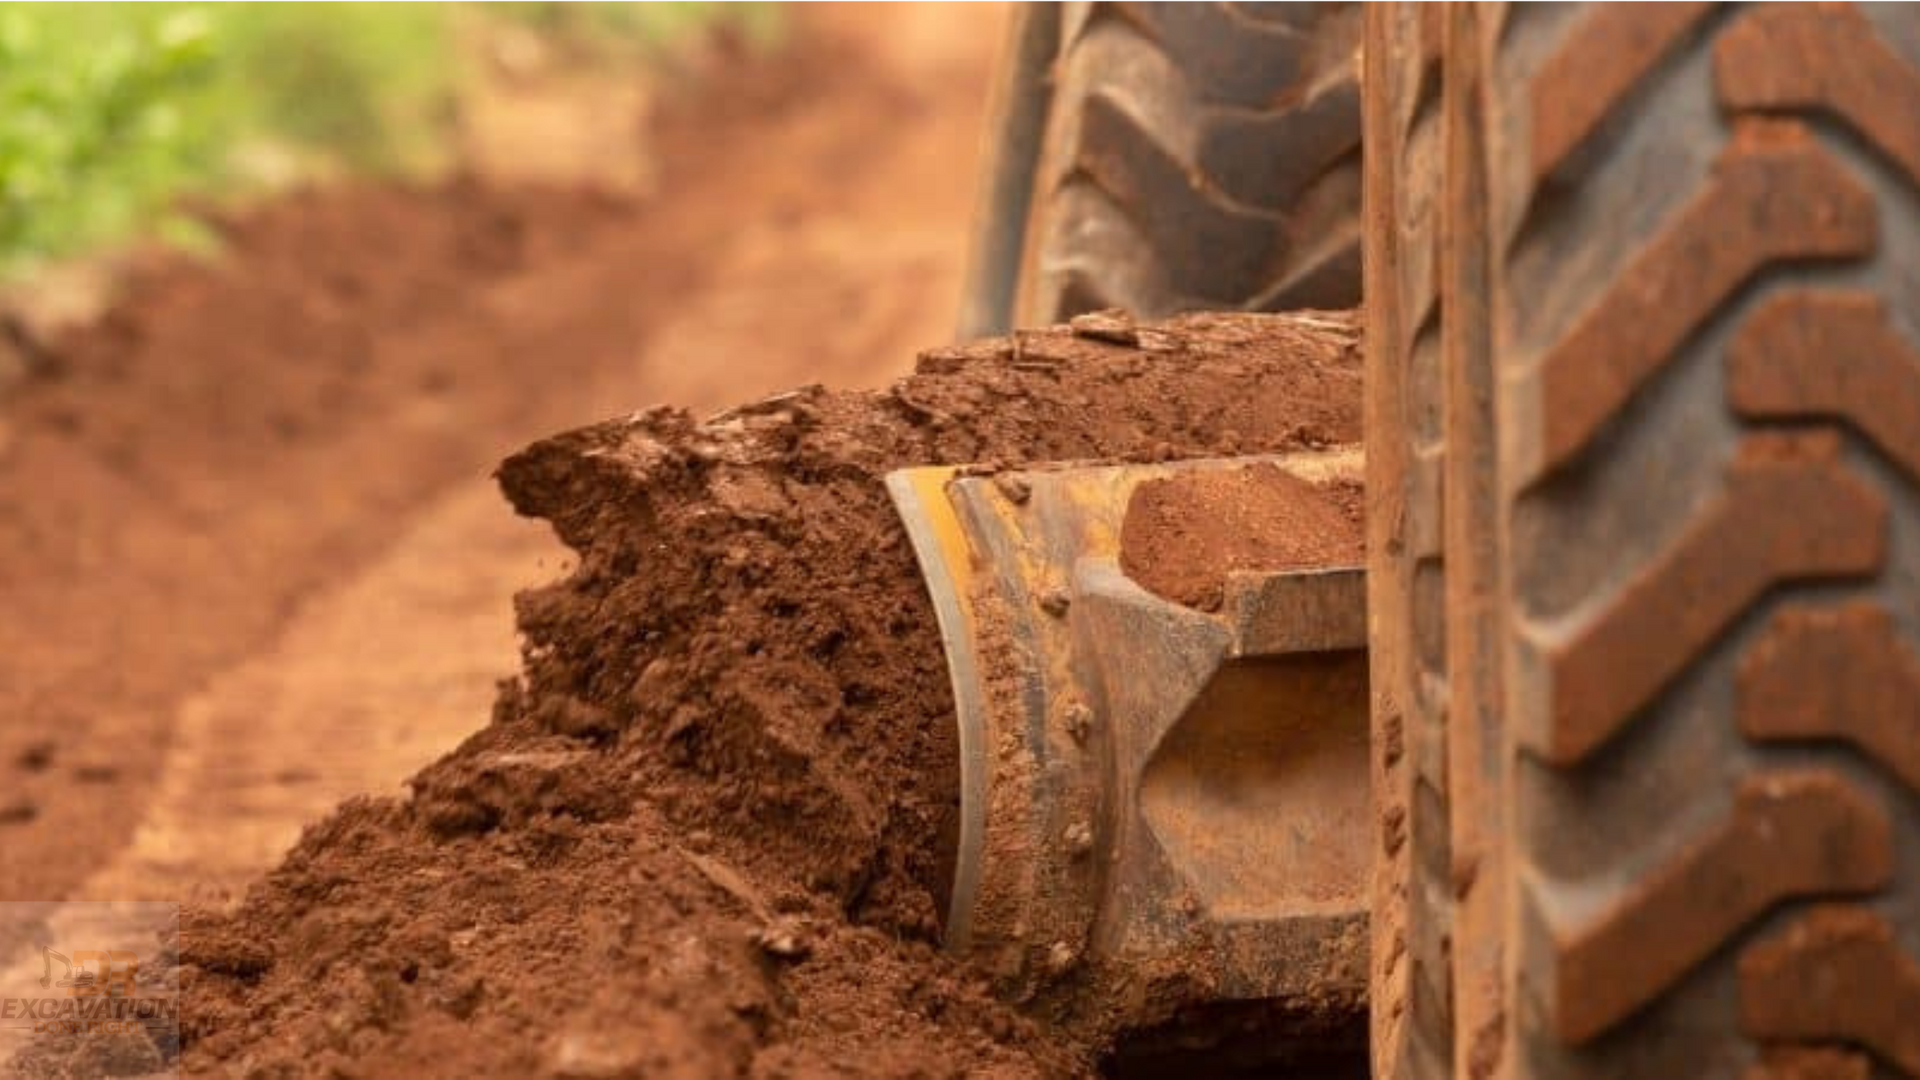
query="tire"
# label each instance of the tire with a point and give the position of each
(1411, 977)
(1191, 156)
(1681, 403)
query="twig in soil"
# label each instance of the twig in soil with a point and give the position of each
(729, 882)
(778, 936)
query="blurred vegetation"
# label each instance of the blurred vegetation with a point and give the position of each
(111, 113)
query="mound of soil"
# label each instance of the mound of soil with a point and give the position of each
(1182, 535)
(703, 834)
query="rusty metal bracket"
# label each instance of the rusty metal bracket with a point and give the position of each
(1159, 805)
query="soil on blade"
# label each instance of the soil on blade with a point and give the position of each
(703, 833)
(1182, 535)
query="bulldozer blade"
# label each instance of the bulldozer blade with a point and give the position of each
(1159, 806)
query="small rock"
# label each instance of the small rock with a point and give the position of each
(1161, 341)
(1055, 601)
(1113, 325)
(1060, 958)
(783, 939)
(1079, 839)
(1015, 488)
(1079, 721)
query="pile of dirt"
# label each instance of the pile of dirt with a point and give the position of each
(703, 833)
(1183, 534)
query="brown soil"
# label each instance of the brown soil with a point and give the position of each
(213, 493)
(700, 835)
(173, 487)
(1182, 535)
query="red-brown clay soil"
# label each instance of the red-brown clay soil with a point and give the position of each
(1182, 535)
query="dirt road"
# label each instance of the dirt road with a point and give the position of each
(252, 556)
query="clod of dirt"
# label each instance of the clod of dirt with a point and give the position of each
(705, 831)
(1183, 534)
(36, 756)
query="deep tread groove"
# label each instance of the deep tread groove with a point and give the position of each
(1597, 67)
(1837, 673)
(1215, 138)
(1734, 550)
(1842, 950)
(1819, 57)
(1790, 834)
(1830, 355)
(1772, 199)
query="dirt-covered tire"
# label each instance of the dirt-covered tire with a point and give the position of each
(1190, 156)
(1678, 328)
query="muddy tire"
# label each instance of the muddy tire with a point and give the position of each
(1190, 156)
(1681, 268)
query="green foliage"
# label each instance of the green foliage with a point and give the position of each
(109, 113)
(93, 138)
(643, 29)
(368, 83)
